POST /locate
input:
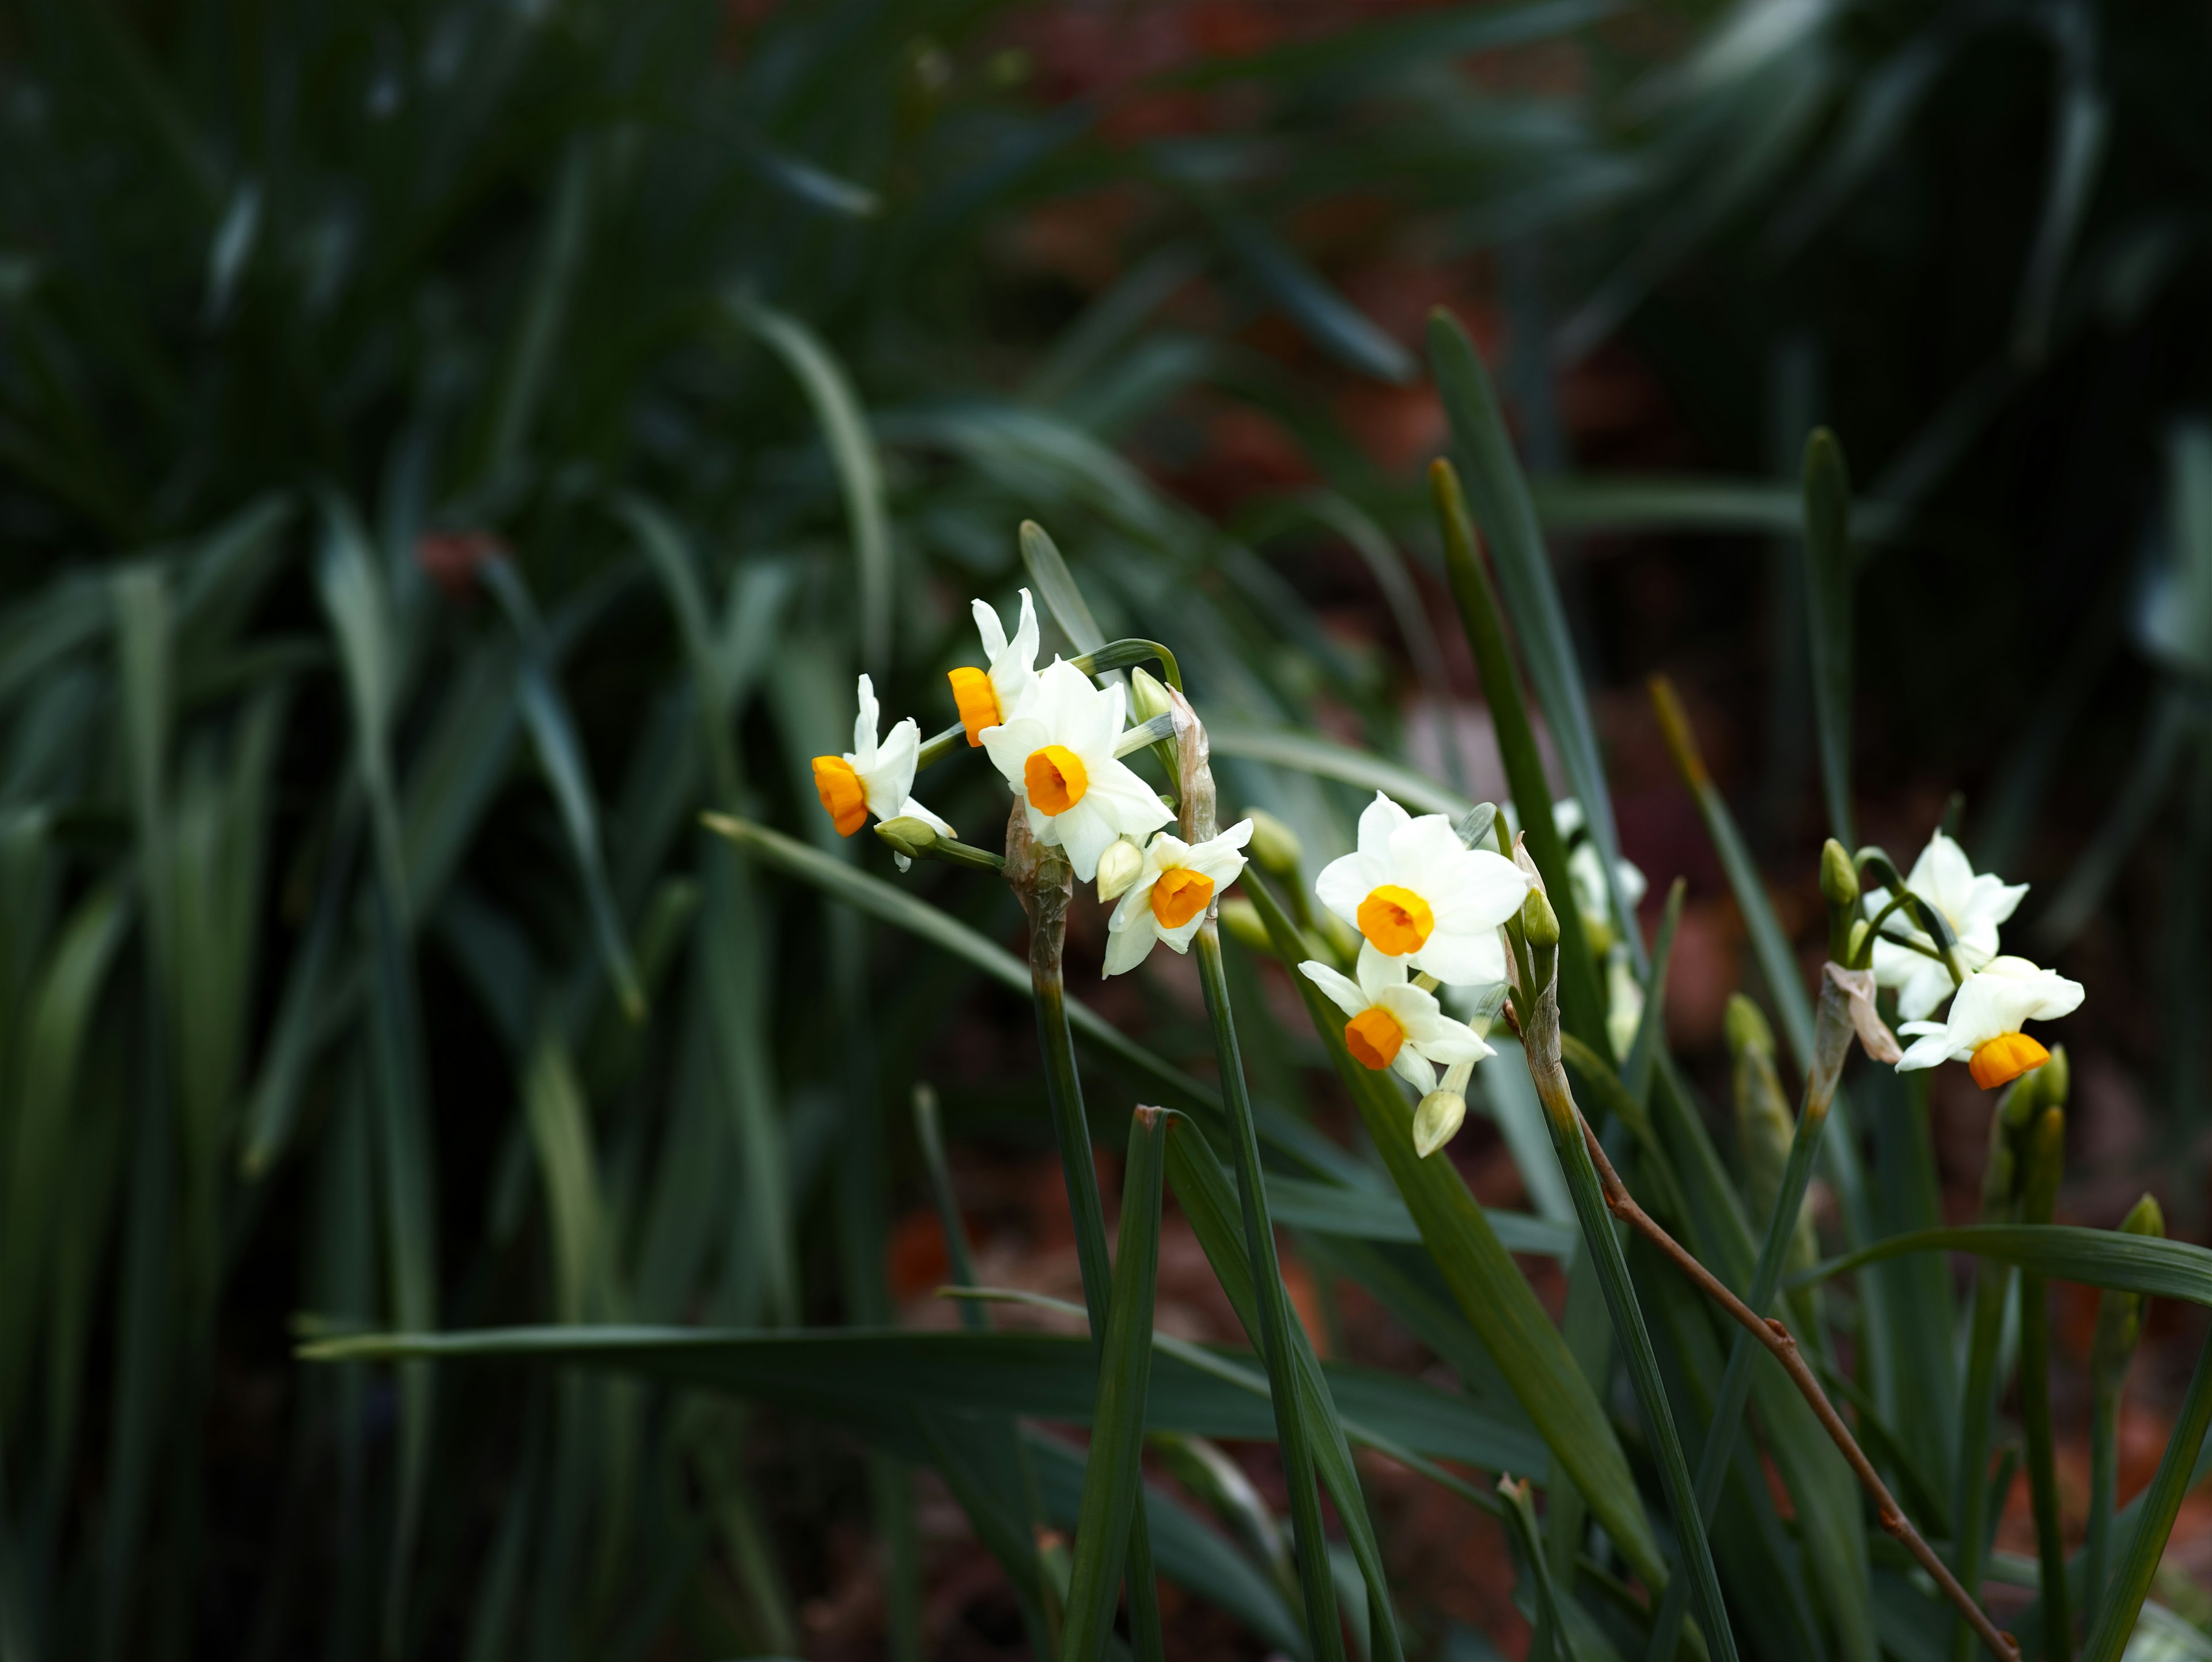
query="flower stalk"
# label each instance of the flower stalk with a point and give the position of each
(1833, 1029)
(1043, 880)
(1537, 954)
(2045, 1157)
(1197, 816)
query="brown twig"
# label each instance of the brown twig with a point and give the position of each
(1784, 1348)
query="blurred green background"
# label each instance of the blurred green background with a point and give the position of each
(445, 445)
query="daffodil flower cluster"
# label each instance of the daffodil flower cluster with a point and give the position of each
(1428, 910)
(1057, 739)
(1998, 996)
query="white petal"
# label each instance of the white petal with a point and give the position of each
(1414, 1009)
(1084, 832)
(1340, 991)
(1483, 890)
(1136, 902)
(866, 723)
(1342, 885)
(888, 779)
(1011, 744)
(1922, 987)
(1925, 1052)
(1164, 851)
(987, 625)
(1462, 958)
(1128, 947)
(910, 807)
(1425, 854)
(1122, 797)
(1411, 1067)
(1378, 972)
(1377, 821)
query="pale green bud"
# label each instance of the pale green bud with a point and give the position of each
(1840, 880)
(908, 836)
(1241, 919)
(1436, 1121)
(1122, 864)
(1274, 845)
(2145, 1217)
(1747, 1028)
(1540, 922)
(1148, 697)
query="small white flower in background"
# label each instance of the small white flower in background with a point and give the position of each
(874, 778)
(1057, 752)
(1984, 1028)
(1586, 875)
(1420, 898)
(1167, 900)
(1395, 1023)
(1121, 864)
(1624, 999)
(987, 698)
(1974, 904)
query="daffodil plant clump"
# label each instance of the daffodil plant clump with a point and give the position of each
(1732, 1444)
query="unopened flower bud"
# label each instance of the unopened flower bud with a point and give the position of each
(909, 837)
(1147, 696)
(1540, 922)
(1747, 1027)
(1122, 864)
(1437, 1120)
(2145, 1217)
(1839, 880)
(2119, 1315)
(1241, 919)
(1273, 845)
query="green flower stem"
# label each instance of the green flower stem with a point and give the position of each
(2161, 1503)
(1831, 1043)
(1571, 1138)
(2046, 1152)
(1275, 1314)
(2104, 1479)
(1977, 1407)
(1045, 895)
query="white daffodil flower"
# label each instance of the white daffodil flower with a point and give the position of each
(1395, 1023)
(1167, 899)
(988, 697)
(874, 778)
(1419, 898)
(1984, 1028)
(1057, 752)
(1972, 903)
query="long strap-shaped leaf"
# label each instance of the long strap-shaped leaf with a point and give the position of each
(1828, 557)
(1582, 991)
(1488, 1286)
(1112, 1474)
(1507, 513)
(2161, 1504)
(2063, 1251)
